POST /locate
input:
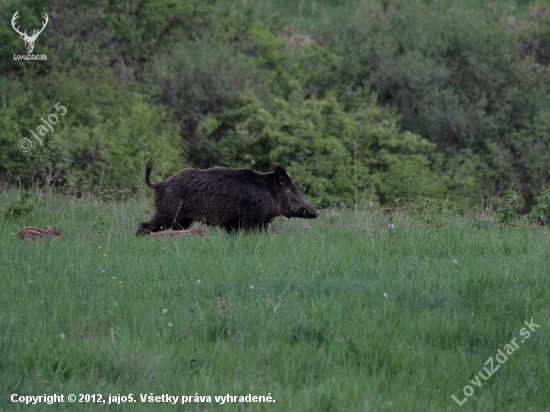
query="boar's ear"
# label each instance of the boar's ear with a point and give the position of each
(280, 173)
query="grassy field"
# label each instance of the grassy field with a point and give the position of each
(333, 314)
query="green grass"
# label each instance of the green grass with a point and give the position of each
(298, 313)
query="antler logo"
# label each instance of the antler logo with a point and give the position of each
(29, 40)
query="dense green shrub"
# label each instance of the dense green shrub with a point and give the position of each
(465, 80)
(19, 207)
(326, 148)
(103, 139)
(197, 79)
(541, 210)
(102, 33)
(507, 213)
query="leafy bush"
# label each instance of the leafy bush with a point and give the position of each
(197, 79)
(324, 146)
(541, 210)
(431, 211)
(467, 81)
(19, 207)
(101, 140)
(507, 212)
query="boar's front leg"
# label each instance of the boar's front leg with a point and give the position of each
(148, 227)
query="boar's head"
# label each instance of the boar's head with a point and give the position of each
(288, 198)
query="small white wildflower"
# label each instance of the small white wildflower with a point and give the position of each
(251, 287)
(114, 277)
(62, 336)
(170, 325)
(391, 225)
(385, 295)
(198, 282)
(455, 261)
(164, 310)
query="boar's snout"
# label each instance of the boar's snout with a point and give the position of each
(308, 213)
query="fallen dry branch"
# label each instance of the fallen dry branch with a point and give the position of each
(194, 231)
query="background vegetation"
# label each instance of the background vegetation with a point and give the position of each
(449, 99)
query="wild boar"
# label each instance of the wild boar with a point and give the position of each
(32, 233)
(231, 198)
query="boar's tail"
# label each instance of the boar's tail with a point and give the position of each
(148, 170)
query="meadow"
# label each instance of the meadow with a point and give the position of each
(340, 313)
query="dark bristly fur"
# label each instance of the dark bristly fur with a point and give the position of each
(32, 232)
(231, 198)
